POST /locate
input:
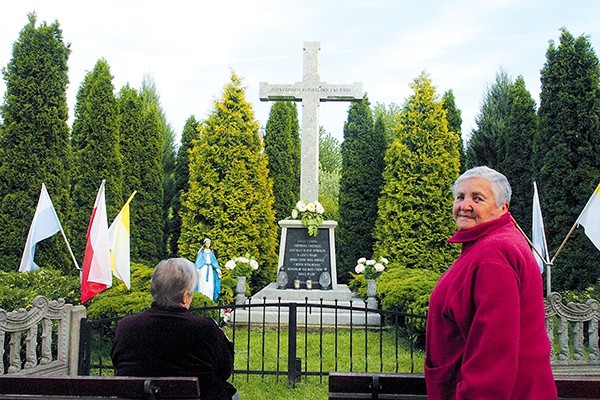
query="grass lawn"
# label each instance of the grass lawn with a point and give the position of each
(370, 352)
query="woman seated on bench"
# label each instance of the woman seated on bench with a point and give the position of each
(167, 340)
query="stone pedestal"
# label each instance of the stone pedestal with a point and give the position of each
(308, 258)
(372, 293)
(240, 290)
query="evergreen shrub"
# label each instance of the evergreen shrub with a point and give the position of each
(19, 289)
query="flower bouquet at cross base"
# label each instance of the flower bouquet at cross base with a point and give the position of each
(371, 268)
(311, 215)
(242, 266)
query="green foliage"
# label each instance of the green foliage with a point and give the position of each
(146, 216)
(166, 137)
(503, 140)
(118, 300)
(19, 289)
(34, 142)
(399, 288)
(282, 145)
(567, 148)
(581, 296)
(329, 189)
(230, 198)
(389, 115)
(330, 155)
(181, 178)
(330, 166)
(95, 141)
(361, 179)
(414, 217)
(454, 123)
(408, 290)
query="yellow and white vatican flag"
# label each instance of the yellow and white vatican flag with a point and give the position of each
(119, 243)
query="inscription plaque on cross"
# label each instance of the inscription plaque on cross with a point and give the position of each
(311, 91)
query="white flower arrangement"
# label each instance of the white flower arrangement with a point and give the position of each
(370, 268)
(242, 266)
(311, 215)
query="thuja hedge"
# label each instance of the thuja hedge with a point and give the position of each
(19, 290)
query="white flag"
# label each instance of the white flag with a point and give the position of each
(45, 223)
(538, 236)
(96, 273)
(590, 218)
(119, 241)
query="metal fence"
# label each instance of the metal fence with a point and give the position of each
(292, 340)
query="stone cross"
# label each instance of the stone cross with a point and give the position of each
(310, 92)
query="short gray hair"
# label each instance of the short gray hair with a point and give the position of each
(500, 185)
(171, 279)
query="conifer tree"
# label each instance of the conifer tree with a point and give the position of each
(363, 149)
(282, 145)
(454, 123)
(34, 143)
(141, 150)
(567, 149)
(330, 167)
(168, 154)
(148, 216)
(230, 198)
(181, 179)
(389, 115)
(415, 207)
(503, 140)
(96, 151)
(488, 136)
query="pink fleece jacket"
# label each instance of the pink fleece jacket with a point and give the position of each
(486, 336)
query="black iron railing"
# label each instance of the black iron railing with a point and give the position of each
(294, 340)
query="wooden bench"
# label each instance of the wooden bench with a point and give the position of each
(97, 387)
(359, 385)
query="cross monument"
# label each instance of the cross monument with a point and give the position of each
(310, 92)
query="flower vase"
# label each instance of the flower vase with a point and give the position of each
(372, 293)
(240, 290)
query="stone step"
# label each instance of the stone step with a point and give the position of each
(341, 296)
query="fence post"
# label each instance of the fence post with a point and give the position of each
(293, 369)
(85, 347)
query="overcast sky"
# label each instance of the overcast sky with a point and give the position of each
(190, 47)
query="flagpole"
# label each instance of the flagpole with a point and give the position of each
(548, 264)
(548, 280)
(69, 247)
(565, 241)
(529, 241)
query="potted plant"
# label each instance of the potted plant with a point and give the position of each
(241, 268)
(372, 270)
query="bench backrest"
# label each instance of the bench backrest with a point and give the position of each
(577, 352)
(47, 335)
(412, 386)
(99, 387)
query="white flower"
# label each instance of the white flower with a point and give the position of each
(230, 264)
(254, 264)
(294, 213)
(370, 262)
(379, 267)
(243, 260)
(311, 207)
(301, 206)
(359, 269)
(383, 260)
(362, 260)
(319, 208)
